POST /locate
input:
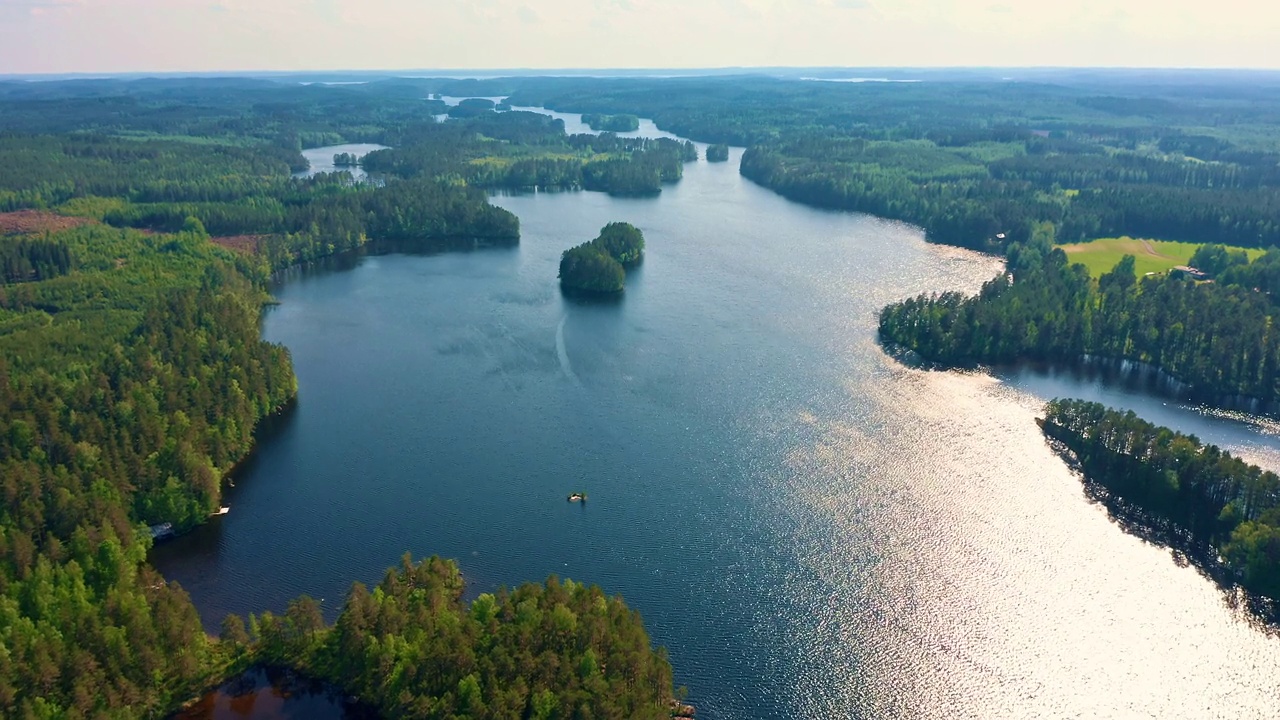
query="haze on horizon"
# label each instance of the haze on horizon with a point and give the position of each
(110, 36)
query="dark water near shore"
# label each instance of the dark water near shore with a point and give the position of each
(811, 528)
(272, 694)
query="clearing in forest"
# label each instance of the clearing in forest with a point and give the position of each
(1150, 256)
(26, 222)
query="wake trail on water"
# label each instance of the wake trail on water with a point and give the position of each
(562, 353)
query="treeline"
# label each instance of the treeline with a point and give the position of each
(412, 648)
(949, 200)
(960, 202)
(1218, 500)
(227, 111)
(600, 266)
(1219, 338)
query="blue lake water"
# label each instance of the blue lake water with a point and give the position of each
(811, 528)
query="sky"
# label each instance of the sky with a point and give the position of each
(107, 36)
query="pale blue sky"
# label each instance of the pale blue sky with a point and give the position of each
(202, 35)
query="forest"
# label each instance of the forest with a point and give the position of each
(129, 386)
(1220, 501)
(1219, 338)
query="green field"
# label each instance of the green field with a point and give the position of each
(1151, 256)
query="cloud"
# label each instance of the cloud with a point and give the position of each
(527, 15)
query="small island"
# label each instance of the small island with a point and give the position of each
(718, 153)
(598, 267)
(472, 107)
(346, 160)
(611, 123)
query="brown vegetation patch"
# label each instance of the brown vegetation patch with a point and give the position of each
(23, 222)
(247, 244)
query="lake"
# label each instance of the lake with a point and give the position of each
(321, 159)
(813, 529)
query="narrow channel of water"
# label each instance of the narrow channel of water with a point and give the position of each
(811, 528)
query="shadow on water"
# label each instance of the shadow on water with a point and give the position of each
(587, 298)
(351, 259)
(1138, 377)
(1128, 375)
(1186, 550)
(264, 693)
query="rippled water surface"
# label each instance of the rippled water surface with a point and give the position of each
(813, 529)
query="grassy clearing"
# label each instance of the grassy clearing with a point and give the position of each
(1150, 256)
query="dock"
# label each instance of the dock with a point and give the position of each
(162, 531)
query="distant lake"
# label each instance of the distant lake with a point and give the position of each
(321, 159)
(813, 529)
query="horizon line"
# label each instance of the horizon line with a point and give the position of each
(496, 72)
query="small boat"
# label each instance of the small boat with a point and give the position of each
(222, 510)
(578, 497)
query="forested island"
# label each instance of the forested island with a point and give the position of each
(611, 123)
(718, 153)
(599, 266)
(472, 107)
(1183, 486)
(346, 160)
